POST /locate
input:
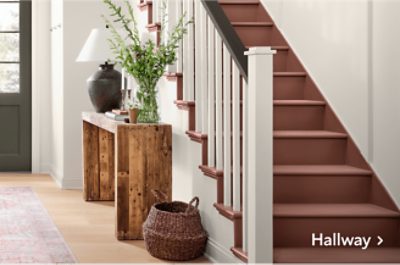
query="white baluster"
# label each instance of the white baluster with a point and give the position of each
(245, 154)
(163, 11)
(198, 79)
(218, 97)
(190, 53)
(179, 51)
(171, 22)
(211, 95)
(203, 70)
(260, 167)
(227, 128)
(185, 57)
(236, 136)
(123, 84)
(156, 11)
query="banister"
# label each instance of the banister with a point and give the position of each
(228, 34)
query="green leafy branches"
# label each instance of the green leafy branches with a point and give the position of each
(148, 60)
(145, 62)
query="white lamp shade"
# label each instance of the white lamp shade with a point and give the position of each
(97, 47)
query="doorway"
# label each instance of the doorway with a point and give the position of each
(15, 86)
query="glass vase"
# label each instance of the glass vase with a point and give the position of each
(147, 93)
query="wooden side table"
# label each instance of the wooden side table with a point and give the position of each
(124, 162)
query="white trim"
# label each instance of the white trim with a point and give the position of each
(45, 169)
(198, 67)
(369, 150)
(203, 71)
(216, 253)
(227, 126)
(49, 169)
(245, 166)
(72, 184)
(35, 91)
(260, 155)
(218, 99)
(236, 137)
(57, 176)
(211, 94)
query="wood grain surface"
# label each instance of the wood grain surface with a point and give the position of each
(124, 164)
(144, 162)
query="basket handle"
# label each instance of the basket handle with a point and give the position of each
(190, 203)
(159, 192)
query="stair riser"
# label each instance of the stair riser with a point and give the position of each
(297, 232)
(286, 61)
(289, 87)
(299, 117)
(322, 189)
(246, 13)
(255, 36)
(260, 36)
(309, 151)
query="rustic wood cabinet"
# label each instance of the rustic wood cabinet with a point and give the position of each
(124, 162)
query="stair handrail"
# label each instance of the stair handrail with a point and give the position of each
(228, 34)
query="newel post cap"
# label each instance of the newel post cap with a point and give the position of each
(259, 51)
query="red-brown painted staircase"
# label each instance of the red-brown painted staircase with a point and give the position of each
(322, 183)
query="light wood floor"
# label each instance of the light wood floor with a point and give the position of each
(87, 227)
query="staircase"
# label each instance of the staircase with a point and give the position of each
(322, 183)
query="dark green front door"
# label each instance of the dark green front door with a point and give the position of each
(15, 86)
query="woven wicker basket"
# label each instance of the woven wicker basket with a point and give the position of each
(173, 230)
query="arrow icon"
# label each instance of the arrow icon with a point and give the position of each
(380, 240)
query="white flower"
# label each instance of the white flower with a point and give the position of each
(133, 104)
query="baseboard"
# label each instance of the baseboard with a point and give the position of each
(218, 254)
(72, 184)
(49, 169)
(63, 183)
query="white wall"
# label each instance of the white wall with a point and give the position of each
(57, 90)
(42, 84)
(386, 94)
(61, 82)
(80, 17)
(358, 76)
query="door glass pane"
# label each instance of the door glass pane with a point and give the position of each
(9, 16)
(9, 47)
(9, 78)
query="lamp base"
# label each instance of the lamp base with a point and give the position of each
(104, 87)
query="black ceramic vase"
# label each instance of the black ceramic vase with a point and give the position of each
(104, 88)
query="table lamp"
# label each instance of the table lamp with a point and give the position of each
(104, 85)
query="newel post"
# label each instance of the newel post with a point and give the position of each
(259, 212)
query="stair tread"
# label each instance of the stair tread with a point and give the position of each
(336, 255)
(272, 47)
(239, 2)
(252, 24)
(290, 73)
(299, 103)
(332, 210)
(328, 170)
(145, 3)
(240, 254)
(319, 170)
(308, 134)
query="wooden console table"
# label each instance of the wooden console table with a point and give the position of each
(124, 162)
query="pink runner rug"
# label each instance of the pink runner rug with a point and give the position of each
(27, 233)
